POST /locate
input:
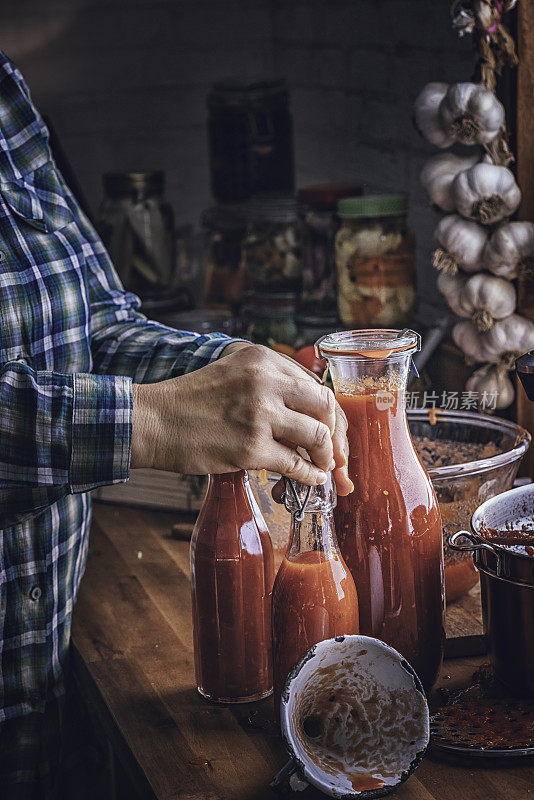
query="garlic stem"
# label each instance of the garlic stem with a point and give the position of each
(487, 209)
(466, 129)
(483, 320)
(444, 261)
(508, 359)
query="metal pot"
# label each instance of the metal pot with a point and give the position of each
(507, 586)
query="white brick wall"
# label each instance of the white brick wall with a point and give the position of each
(125, 84)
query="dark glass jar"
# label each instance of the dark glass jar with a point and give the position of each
(225, 275)
(269, 319)
(272, 251)
(250, 139)
(136, 224)
(320, 223)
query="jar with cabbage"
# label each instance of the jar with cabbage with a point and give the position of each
(375, 261)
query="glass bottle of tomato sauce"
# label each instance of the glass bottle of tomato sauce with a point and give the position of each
(389, 528)
(314, 596)
(232, 576)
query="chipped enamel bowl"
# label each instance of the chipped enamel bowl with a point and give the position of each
(354, 717)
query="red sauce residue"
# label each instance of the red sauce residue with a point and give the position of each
(523, 536)
(491, 724)
(361, 782)
(390, 534)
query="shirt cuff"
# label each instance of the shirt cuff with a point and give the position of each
(213, 348)
(101, 431)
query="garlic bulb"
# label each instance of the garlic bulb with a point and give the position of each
(470, 113)
(508, 339)
(509, 251)
(426, 115)
(486, 193)
(486, 299)
(460, 244)
(470, 341)
(438, 175)
(493, 386)
(451, 287)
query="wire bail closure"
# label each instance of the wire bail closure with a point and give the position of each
(298, 513)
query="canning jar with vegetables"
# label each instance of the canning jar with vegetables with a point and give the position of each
(272, 251)
(269, 319)
(320, 223)
(375, 259)
(224, 281)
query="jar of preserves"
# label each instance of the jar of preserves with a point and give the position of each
(320, 223)
(389, 528)
(250, 133)
(272, 252)
(224, 280)
(232, 577)
(269, 319)
(136, 224)
(375, 258)
(314, 596)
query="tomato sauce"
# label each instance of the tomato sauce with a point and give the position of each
(232, 577)
(389, 531)
(314, 598)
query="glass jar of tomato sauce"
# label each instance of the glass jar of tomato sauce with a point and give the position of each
(314, 596)
(232, 577)
(389, 528)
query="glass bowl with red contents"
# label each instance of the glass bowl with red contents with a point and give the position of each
(470, 458)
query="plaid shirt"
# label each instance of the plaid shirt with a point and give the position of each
(71, 341)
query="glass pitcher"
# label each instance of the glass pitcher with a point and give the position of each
(389, 528)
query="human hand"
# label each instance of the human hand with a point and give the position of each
(250, 409)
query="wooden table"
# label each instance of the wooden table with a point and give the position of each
(133, 660)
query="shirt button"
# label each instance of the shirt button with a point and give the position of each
(35, 593)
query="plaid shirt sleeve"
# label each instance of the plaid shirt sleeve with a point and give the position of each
(66, 430)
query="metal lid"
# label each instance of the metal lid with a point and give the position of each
(300, 499)
(373, 205)
(122, 184)
(327, 195)
(271, 208)
(375, 343)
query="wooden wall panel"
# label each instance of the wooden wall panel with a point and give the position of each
(525, 169)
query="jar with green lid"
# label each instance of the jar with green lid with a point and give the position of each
(375, 261)
(272, 251)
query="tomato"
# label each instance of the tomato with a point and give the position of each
(306, 356)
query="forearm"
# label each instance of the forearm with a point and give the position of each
(59, 434)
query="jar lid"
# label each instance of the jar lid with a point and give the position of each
(270, 302)
(237, 92)
(374, 343)
(327, 195)
(271, 208)
(121, 184)
(373, 205)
